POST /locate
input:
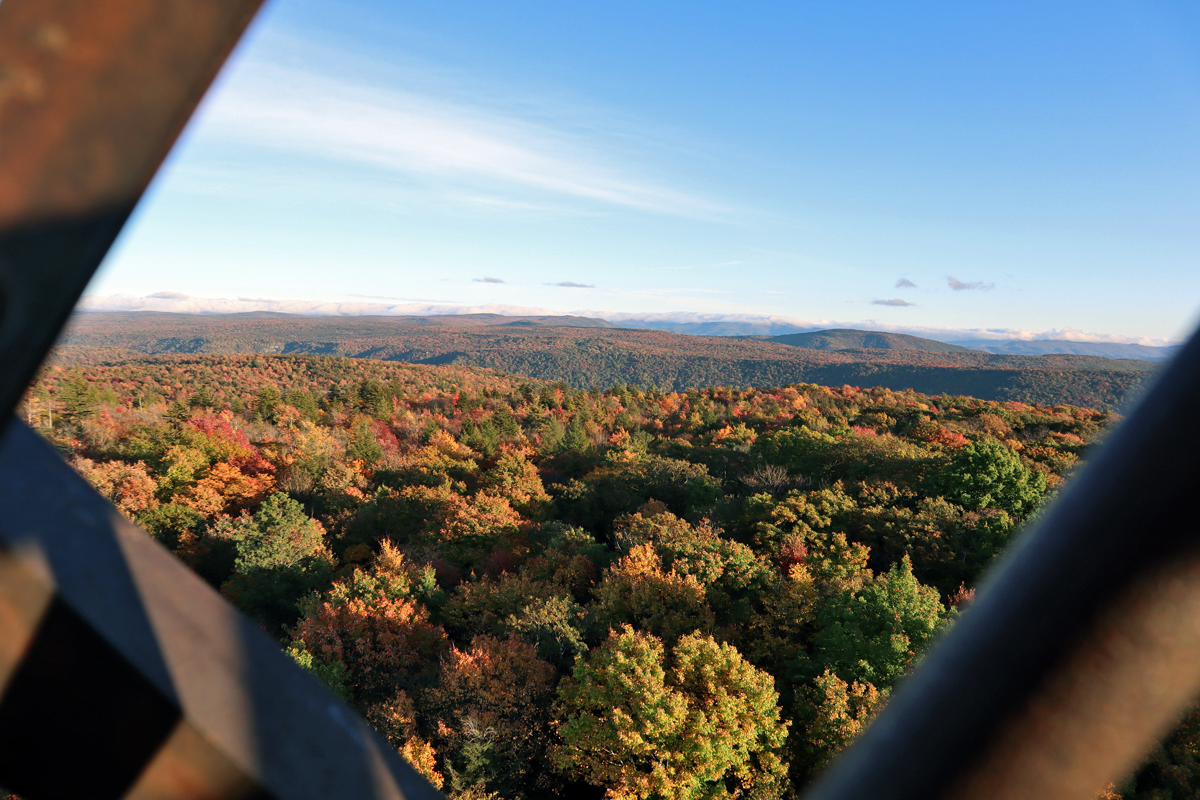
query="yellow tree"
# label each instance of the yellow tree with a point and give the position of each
(638, 591)
(703, 724)
(836, 713)
(396, 719)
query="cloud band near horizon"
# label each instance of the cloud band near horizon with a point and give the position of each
(178, 302)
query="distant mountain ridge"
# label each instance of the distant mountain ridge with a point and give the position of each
(850, 339)
(779, 330)
(583, 354)
(718, 327)
(1041, 347)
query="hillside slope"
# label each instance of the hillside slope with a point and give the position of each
(1061, 346)
(846, 339)
(476, 535)
(607, 356)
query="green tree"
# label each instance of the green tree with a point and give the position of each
(482, 438)
(730, 572)
(847, 456)
(554, 626)
(986, 474)
(552, 433)
(203, 398)
(575, 438)
(703, 725)
(178, 413)
(873, 634)
(281, 557)
(834, 714)
(1172, 771)
(280, 535)
(303, 401)
(506, 424)
(375, 399)
(77, 398)
(637, 590)
(267, 403)
(364, 446)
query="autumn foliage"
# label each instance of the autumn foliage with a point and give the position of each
(533, 590)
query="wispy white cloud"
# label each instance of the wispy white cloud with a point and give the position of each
(905, 283)
(476, 152)
(896, 301)
(487, 280)
(400, 299)
(573, 285)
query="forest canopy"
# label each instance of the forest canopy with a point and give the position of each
(584, 353)
(533, 590)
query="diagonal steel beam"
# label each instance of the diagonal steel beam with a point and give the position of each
(92, 95)
(124, 675)
(1081, 649)
(121, 674)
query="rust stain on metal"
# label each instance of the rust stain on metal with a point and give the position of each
(18, 81)
(52, 38)
(92, 95)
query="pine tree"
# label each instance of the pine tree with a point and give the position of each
(576, 438)
(267, 402)
(78, 398)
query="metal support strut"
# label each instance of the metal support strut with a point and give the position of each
(122, 675)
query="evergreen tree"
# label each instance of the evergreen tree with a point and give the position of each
(575, 438)
(178, 413)
(303, 401)
(364, 445)
(77, 398)
(281, 557)
(873, 634)
(266, 405)
(203, 398)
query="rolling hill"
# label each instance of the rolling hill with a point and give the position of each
(845, 339)
(1057, 346)
(598, 355)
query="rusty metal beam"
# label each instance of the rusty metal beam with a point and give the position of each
(92, 95)
(121, 674)
(1075, 657)
(125, 676)
(1081, 649)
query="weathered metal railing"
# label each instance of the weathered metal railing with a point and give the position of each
(123, 675)
(1079, 651)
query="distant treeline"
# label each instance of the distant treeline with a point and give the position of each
(584, 357)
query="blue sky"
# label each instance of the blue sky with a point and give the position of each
(1030, 168)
